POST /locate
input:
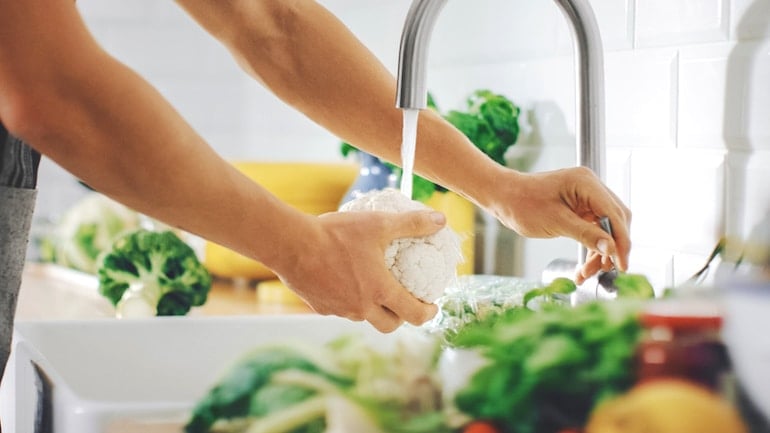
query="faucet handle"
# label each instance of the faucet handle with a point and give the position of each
(606, 279)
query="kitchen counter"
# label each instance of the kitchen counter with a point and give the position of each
(50, 292)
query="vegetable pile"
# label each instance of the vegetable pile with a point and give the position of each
(148, 273)
(530, 363)
(348, 385)
(547, 369)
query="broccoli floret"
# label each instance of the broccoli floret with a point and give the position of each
(148, 273)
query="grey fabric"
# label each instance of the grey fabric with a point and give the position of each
(16, 208)
(18, 162)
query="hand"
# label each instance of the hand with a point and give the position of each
(567, 202)
(341, 269)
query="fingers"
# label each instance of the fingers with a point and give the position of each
(415, 223)
(592, 237)
(594, 263)
(384, 320)
(394, 302)
(397, 306)
(603, 202)
(614, 248)
(591, 266)
(412, 309)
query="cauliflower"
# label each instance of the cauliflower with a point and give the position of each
(87, 229)
(424, 266)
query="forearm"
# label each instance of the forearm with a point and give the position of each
(311, 60)
(102, 122)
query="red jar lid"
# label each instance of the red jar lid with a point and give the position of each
(683, 314)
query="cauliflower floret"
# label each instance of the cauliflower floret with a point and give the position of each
(424, 266)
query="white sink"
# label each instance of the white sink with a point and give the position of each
(103, 375)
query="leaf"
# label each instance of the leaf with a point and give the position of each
(633, 286)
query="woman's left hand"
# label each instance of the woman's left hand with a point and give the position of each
(566, 202)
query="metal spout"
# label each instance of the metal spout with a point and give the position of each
(589, 69)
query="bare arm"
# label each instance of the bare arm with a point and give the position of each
(66, 97)
(308, 58)
(97, 118)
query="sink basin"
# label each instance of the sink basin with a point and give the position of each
(145, 375)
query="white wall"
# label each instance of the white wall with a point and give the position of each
(687, 94)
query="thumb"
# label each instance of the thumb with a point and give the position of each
(593, 238)
(417, 224)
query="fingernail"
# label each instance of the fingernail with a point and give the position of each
(602, 246)
(438, 218)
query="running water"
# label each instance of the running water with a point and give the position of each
(408, 146)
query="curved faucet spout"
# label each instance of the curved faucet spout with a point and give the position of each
(589, 70)
(413, 53)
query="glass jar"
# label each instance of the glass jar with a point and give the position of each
(682, 339)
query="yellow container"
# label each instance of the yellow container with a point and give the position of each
(275, 292)
(460, 214)
(313, 188)
(317, 188)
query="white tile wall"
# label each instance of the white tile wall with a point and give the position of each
(705, 119)
(677, 197)
(618, 172)
(641, 89)
(750, 19)
(724, 94)
(656, 263)
(679, 22)
(687, 94)
(491, 31)
(616, 24)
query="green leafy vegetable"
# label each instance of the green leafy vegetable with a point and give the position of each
(248, 391)
(548, 368)
(148, 273)
(490, 122)
(559, 286)
(633, 286)
(348, 383)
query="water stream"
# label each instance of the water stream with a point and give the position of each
(408, 146)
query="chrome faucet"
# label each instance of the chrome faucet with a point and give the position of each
(589, 67)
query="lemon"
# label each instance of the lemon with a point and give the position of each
(666, 406)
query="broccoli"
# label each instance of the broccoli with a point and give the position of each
(490, 122)
(148, 273)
